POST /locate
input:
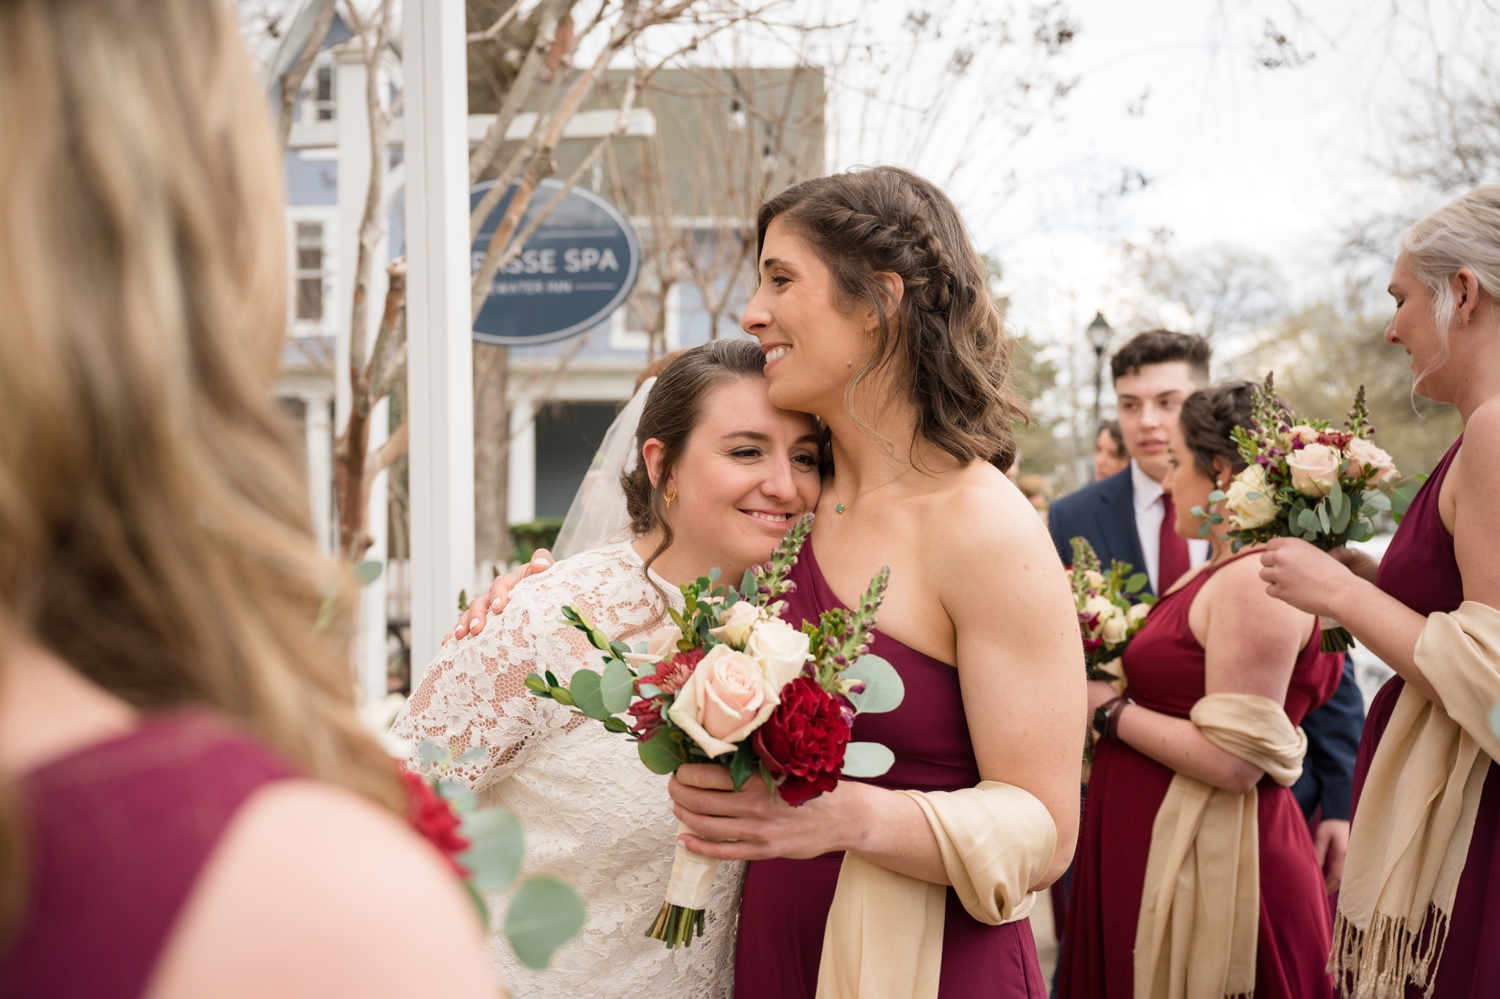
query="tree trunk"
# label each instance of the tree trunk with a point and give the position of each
(492, 541)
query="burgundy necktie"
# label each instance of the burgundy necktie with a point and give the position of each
(1173, 560)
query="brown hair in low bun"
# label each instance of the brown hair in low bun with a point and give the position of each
(1208, 417)
(673, 411)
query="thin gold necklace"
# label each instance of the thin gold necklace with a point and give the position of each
(841, 507)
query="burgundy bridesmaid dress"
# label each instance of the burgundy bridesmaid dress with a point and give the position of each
(785, 904)
(1420, 570)
(1164, 669)
(116, 836)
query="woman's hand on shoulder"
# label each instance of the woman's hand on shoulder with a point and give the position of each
(494, 600)
(314, 891)
(1476, 505)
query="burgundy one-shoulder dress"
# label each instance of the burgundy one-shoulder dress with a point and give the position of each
(1164, 670)
(785, 904)
(116, 837)
(1420, 570)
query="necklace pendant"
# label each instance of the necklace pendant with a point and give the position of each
(839, 508)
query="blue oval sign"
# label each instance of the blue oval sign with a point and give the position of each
(572, 273)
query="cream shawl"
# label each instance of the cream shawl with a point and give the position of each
(1200, 907)
(884, 938)
(1416, 813)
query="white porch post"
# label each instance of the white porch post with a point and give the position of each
(439, 359)
(320, 468)
(353, 121)
(520, 472)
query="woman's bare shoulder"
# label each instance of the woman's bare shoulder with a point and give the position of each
(983, 515)
(314, 891)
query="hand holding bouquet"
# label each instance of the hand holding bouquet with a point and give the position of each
(729, 682)
(1306, 480)
(1107, 617)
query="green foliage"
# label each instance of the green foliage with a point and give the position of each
(368, 571)
(586, 694)
(496, 847)
(528, 537)
(742, 764)
(867, 759)
(662, 754)
(544, 914)
(884, 689)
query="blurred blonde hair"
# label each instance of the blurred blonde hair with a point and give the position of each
(1463, 233)
(154, 523)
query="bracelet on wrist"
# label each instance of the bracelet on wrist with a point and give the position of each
(1106, 717)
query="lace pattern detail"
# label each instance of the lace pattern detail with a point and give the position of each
(594, 817)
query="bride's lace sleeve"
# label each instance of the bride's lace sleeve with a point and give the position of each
(474, 693)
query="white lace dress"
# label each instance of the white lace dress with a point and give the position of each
(594, 816)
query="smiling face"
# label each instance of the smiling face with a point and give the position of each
(748, 470)
(812, 347)
(1149, 402)
(1412, 327)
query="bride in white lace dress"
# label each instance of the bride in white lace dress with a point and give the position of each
(722, 474)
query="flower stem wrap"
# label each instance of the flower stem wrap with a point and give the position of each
(884, 938)
(681, 915)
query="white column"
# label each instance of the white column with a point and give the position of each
(439, 358)
(520, 473)
(320, 468)
(355, 162)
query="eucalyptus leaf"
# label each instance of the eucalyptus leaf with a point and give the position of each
(455, 794)
(544, 914)
(496, 844)
(473, 755)
(1336, 502)
(884, 689)
(714, 574)
(616, 686)
(649, 690)
(1307, 521)
(430, 751)
(619, 650)
(867, 759)
(614, 724)
(1495, 721)
(1137, 583)
(368, 571)
(535, 684)
(1252, 496)
(1217, 496)
(562, 696)
(1341, 518)
(585, 688)
(742, 765)
(661, 754)
(748, 585)
(1323, 518)
(1378, 501)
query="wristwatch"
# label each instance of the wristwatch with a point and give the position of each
(1106, 715)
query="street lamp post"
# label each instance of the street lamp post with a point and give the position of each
(1099, 334)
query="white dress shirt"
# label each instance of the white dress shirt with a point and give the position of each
(1147, 495)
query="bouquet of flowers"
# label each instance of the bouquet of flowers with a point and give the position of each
(484, 847)
(1108, 618)
(1304, 479)
(729, 682)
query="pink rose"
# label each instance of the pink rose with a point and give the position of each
(661, 644)
(1363, 454)
(1301, 433)
(725, 699)
(737, 622)
(1315, 469)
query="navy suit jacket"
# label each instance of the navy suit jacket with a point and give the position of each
(1104, 513)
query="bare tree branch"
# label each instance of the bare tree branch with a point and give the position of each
(290, 82)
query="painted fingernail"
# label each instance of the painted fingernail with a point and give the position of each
(543, 561)
(495, 605)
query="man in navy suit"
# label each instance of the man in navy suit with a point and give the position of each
(1128, 518)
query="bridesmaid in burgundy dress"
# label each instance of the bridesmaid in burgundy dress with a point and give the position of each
(1207, 635)
(873, 315)
(189, 803)
(1448, 319)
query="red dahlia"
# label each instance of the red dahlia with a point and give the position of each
(803, 741)
(433, 817)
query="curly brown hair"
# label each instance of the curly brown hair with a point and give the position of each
(1209, 416)
(948, 344)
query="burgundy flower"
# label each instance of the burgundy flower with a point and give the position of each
(803, 741)
(647, 714)
(672, 673)
(433, 818)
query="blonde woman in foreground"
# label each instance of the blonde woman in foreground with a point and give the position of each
(188, 805)
(1419, 909)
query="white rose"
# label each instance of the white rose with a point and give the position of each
(1094, 579)
(1315, 469)
(661, 644)
(738, 620)
(1136, 616)
(779, 649)
(1362, 453)
(1100, 609)
(1246, 513)
(1115, 628)
(725, 699)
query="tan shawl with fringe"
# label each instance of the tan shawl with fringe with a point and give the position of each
(1200, 908)
(884, 938)
(1416, 813)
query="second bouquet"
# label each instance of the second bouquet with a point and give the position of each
(727, 681)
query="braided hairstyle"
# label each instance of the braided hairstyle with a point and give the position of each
(1207, 418)
(948, 345)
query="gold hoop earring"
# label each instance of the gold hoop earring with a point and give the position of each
(669, 494)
